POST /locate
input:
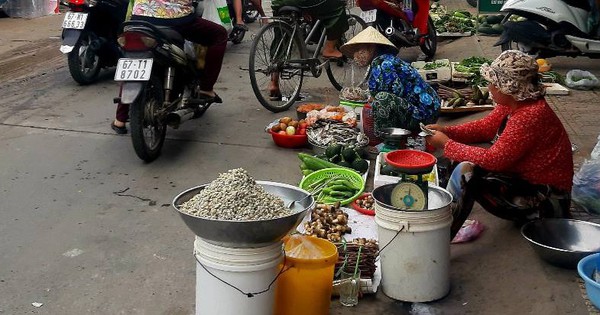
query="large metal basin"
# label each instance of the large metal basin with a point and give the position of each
(240, 234)
(562, 242)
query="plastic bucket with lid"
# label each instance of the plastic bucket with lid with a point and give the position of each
(222, 272)
(415, 262)
(304, 288)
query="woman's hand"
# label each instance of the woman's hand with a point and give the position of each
(437, 127)
(438, 140)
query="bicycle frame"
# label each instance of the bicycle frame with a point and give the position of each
(312, 64)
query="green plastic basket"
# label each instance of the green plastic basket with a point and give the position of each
(350, 175)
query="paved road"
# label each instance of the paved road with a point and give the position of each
(86, 227)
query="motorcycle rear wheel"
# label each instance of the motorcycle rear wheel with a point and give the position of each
(84, 64)
(148, 131)
(429, 47)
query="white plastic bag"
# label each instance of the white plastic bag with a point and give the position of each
(586, 186)
(217, 11)
(581, 80)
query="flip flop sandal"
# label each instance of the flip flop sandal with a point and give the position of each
(241, 27)
(210, 99)
(275, 96)
(118, 130)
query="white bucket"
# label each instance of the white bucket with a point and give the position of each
(251, 270)
(415, 266)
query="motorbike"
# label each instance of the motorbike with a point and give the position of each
(89, 37)
(159, 83)
(399, 23)
(549, 28)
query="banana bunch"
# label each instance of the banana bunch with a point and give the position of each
(480, 98)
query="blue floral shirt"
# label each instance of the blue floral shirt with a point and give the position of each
(391, 74)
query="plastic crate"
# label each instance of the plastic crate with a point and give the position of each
(441, 74)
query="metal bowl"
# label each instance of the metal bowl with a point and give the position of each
(562, 242)
(244, 234)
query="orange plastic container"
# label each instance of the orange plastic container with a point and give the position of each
(305, 288)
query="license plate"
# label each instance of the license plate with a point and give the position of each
(133, 69)
(369, 16)
(75, 20)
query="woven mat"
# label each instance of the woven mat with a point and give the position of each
(591, 308)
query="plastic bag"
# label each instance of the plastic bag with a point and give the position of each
(217, 11)
(581, 80)
(586, 186)
(469, 231)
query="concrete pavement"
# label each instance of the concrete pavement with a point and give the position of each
(87, 228)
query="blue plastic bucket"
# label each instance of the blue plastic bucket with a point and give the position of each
(585, 268)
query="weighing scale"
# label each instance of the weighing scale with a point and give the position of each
(394, 139)
(399, 139)
(410, 193)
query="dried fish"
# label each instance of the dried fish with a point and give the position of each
(326, 132)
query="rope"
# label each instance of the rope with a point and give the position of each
(390, 242)
(249, 294)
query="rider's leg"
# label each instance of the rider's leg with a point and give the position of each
(258, 5)
(330, 50)
(214, 37)
(238, 7)
(121, 117)
(274, 92)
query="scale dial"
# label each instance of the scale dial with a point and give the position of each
(408, 196)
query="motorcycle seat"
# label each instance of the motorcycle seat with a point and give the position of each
(288, 9)
(389, 7)
(172, 35)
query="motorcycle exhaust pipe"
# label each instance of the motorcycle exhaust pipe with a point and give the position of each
(395, 36)
(174, 119)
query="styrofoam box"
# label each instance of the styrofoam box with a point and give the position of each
(381, 180)
(358, 111)
(441, 74)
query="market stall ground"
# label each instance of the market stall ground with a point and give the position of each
(149, 249)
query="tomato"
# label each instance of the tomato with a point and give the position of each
(302, 125)
(302, 131)
(282, 132)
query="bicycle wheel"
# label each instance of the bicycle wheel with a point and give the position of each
(344, 72)
(270, 53)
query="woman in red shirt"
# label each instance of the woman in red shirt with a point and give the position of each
(527, 172)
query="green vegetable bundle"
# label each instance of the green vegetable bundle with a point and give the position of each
(333, 189)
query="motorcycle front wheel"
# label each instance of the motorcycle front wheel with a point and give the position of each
(84, 63)
(429, 46)
(148, 130)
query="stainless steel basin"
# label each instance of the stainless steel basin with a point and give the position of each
(562, 242)
(240, 234)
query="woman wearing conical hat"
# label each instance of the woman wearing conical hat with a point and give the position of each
(401, 98)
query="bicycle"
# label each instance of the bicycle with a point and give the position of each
(280, 49)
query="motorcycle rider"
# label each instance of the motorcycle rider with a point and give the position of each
(180, 15)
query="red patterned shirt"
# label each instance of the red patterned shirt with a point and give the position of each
(533, 145)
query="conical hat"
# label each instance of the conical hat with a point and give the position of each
(367, 36)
